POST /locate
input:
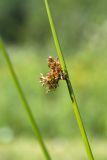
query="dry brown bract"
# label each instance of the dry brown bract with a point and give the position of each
(55, 74)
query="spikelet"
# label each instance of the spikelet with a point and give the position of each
(55, 74)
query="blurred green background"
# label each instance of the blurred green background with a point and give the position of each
(82, 31)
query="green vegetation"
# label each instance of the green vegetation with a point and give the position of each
(69, 85)
(25, 149)
(87, 72)
(82, 30)
(24, 100)
(78, 20)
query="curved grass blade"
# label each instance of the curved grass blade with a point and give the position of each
(24, 101)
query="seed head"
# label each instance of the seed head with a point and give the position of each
(55, 74)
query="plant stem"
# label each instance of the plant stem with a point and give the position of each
(79, 120)
(24, 101)
(70, 89)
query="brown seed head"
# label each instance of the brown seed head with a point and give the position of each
(56, 73)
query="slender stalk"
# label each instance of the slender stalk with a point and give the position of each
(24, 101)
(70, 89)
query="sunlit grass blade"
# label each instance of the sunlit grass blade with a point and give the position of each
(57, 44)
(70, 89)
(24, 101)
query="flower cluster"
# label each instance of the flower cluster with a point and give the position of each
(55, 74)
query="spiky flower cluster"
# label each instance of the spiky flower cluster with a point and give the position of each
(55, 74)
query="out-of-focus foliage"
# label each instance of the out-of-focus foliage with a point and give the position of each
(82, 29)
(22, 21)
(25, 149)
(53, 111)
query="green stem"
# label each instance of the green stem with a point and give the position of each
(79, 120)
(57, 44)
(70, 89)
(24, 101)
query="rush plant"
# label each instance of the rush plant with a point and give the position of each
(69, 85)
(58, 71)
(24, 101)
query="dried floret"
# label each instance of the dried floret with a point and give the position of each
(55, 74)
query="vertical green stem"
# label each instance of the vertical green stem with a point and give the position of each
(79, 120)
(57, 44)
(70, 89)
(24, 101)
